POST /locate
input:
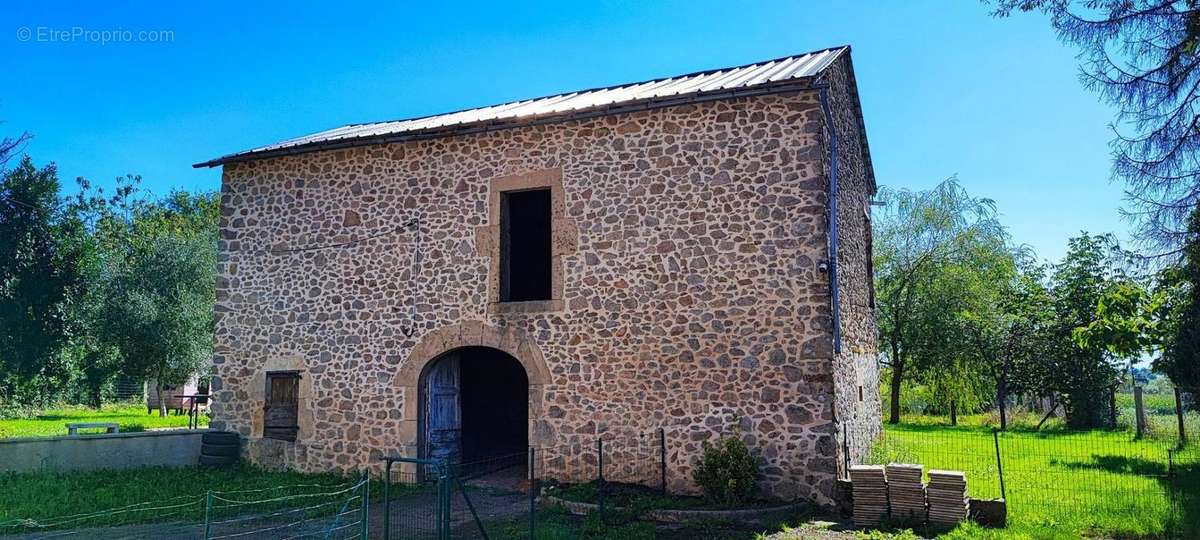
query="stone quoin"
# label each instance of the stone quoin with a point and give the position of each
(679, 275)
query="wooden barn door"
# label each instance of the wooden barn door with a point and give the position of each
(443, 412)
(281, 412)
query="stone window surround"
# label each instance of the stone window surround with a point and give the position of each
(258, 396)
(563, 238)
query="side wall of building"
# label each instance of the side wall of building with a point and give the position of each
(856, 368)
(693, 295)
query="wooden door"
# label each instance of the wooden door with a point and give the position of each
(280, 417)
(443, 411)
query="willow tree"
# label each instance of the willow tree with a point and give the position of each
(924, 241)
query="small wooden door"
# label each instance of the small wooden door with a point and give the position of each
(443, 411)
(281, 414)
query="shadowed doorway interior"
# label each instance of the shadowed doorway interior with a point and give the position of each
(475, 406)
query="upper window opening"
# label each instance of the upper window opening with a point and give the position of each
(525, 257)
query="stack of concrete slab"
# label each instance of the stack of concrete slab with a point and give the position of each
(870, 491)
(947, 493)
(906, 493)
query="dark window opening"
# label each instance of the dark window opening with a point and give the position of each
(860, 393)
(281, 411)
(525, 245)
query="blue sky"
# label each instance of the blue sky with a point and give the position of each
(946, 88)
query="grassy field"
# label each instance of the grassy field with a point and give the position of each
(1059, 484)
(53, 422)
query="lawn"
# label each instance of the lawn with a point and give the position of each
(155, 494)
(1059, 484)
(53, 422)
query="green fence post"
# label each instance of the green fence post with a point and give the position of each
(1176, 515)
(444, 500)
(387, 500)
(600, 470)
(366, 494)
(532, 495)
(208, 515)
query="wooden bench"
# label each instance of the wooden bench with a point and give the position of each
(109, 427)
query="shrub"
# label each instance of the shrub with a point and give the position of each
(727, 470)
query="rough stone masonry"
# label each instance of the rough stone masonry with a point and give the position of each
(691, 285)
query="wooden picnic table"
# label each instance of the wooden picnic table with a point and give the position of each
(193, 404)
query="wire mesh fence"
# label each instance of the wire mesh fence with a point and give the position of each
(1096, 478)
(414, 498)
(333, 511)
(973, 454)
(501, 496)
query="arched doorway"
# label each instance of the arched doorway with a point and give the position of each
(474, 406)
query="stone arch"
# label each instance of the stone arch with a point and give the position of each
(512, 341)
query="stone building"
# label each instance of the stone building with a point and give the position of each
(690, 254)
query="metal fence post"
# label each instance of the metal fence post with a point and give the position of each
(600, 480)
(387, 500)
(444, 502)
(208, 515)
(532, 494)
(662, 459)
(366, 494)
(1175, 513)
(999, 464)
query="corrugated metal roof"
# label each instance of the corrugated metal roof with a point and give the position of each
(609, 100)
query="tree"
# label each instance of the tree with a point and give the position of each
(1007, 326)
(922, 241)
(11, 146)
(1179, 310)
(38, 278)
(1123, 325)
(1141, 57)
(1082, 372)
(155, 284)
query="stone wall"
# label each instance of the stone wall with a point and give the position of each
(692, 294)
(856, 367)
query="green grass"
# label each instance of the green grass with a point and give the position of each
(1059, 484)
(47, 497)
(53, 422)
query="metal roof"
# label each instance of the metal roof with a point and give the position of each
(772, 75)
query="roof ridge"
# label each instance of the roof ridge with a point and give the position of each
(756, 77)
(839, 49)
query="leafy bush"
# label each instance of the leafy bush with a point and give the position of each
(727, 470)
